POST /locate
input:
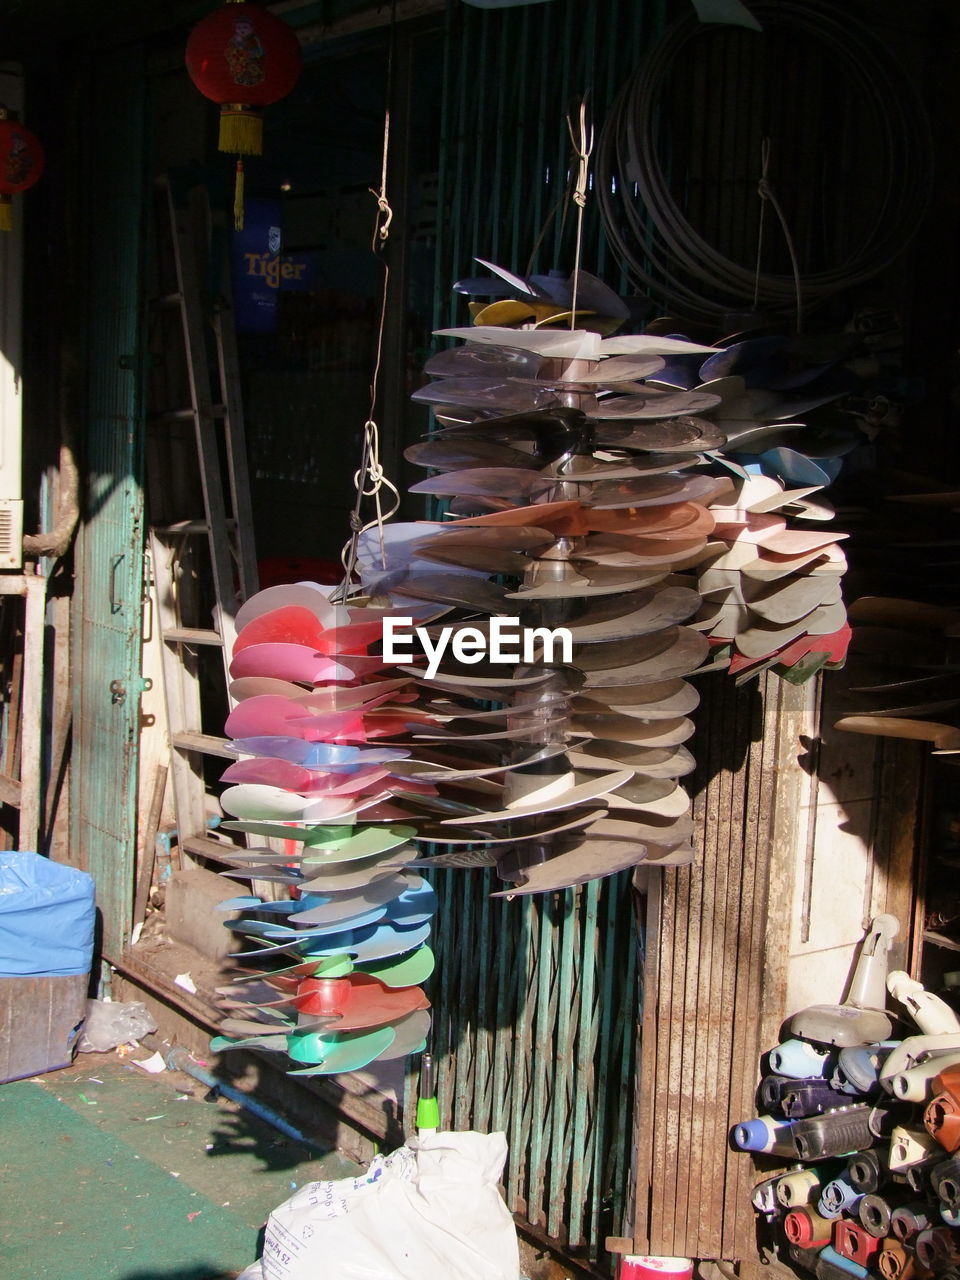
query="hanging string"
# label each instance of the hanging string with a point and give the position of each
(582, 141)
(765, 192)
(369, 479)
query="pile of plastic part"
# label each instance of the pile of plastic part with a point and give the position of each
(873, 1124)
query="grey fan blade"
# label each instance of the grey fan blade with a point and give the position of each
(674, 652)
(641, 733)
(452, 588)
(479, 360)
(651, 405)
(460, 453)
(474, 556)
(517, 830)
(499, 394)
(590, 859)
(560, 580)
(680, 434)
(508, 483)
(633, 615)
(654, 762)
(660, 700)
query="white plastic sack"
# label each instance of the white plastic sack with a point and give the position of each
(430, 1211)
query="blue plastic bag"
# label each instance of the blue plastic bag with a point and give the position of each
(47, 916)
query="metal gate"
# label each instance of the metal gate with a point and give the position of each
(536, 1001)
(535, 1004)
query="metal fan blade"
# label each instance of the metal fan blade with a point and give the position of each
(459, 453)
(482, 360)
(521, 538)
(474, 556)
(441, 765)
(651, 405)
(794, 599)
(561, 580)
(567, 344)
(662, 699)
(590, 788)
(651, 344)
(564, 518)
(611, 727)
(648, 491)
(637, 614)
(341, 909)
(507, 483)
(675, 651)
(684, 519)
(646, 553)
(452, 588)
(654, 762)
(599, 373)
(564, 866)
(517, 830)
(681, 434)
(499, 394)
(327, 843)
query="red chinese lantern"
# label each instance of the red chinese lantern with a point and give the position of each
(244, 58)
(21, 163)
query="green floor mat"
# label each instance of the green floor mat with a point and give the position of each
(79, 1202)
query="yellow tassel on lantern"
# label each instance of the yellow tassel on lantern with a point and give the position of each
(238, 197)
(241, 130)
(6, 213)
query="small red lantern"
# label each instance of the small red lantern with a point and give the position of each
(21, 163)
(244, 58)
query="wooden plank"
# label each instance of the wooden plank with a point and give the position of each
(715, 977)
(182, 697)
(148, 846)
(193, 635)
(31, 713)
(22, 788)
(650, 885)
(39, 1017)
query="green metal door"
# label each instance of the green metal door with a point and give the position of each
(108, 601)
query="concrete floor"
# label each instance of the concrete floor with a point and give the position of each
(109, 1173)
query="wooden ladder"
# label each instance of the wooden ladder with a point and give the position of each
(201, 530)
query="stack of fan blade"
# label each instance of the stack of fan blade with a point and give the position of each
(772, 593)
(738, 408)
(314, 710)
(574, 505)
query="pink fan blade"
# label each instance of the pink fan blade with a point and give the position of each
(291, 624)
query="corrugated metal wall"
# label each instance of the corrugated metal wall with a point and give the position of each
(512, 76)
(536, 1001)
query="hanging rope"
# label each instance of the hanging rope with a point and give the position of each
(765, 192)
(582, 140)
(369, 479)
